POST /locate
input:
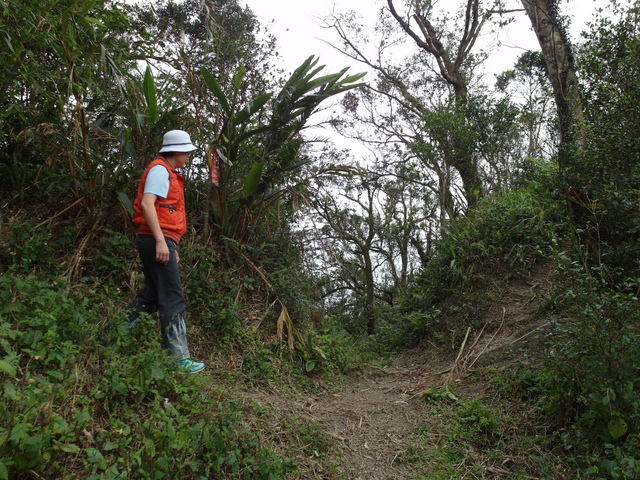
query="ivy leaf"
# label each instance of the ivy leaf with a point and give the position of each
(618, 427)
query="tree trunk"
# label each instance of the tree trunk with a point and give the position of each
(450, 66)
(370, 299)
(559, 60)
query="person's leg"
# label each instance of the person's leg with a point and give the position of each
(171, 306)
(147, 301)
(166, 294)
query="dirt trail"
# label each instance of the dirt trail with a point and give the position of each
(374, 417)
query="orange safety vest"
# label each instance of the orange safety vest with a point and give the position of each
(171, 211)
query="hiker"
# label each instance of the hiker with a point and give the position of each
(159, 214)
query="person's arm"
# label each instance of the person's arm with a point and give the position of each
(151, 217)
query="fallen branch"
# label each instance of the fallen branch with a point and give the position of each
(473, 345)
(504, 311)
(455, 364)
(506, 473)
(49, 220)
(378, 368)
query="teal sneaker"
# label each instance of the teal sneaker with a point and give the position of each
(189, 366)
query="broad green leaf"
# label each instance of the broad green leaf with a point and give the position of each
(88, 7)
(296, 165)
(618, 427)
(237, 79)
(9, 42)
(95, 21)
(288, 151)
(19, 432)
(126, 203)
(320, 81)
(149, 446)
(69, 448)
(149, 90)
(320, 352)
(95, 456)
(355, 78)
(8, 368)
(252, 180)
(4, 472)
(295, 113)
(261, 190)
(214, 86)
(252, 132)
(250, 108)
(130, 148)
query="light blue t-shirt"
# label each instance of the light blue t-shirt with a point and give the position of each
(157, 181)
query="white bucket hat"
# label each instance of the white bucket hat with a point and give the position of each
(177, 141)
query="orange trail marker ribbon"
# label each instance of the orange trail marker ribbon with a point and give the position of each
(213, 165)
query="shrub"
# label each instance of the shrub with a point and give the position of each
(35, 250)
(595, 362)
(77, 404)
(477, 423)
(509, 231)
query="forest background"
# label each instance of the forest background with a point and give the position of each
(304, 260)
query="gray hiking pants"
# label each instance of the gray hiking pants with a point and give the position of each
(162, 292)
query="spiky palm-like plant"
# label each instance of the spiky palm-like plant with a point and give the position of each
(259, 142)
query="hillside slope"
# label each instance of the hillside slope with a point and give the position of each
(387, 420)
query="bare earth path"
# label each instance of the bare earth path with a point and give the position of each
(375, 419)
(372, 418)
(375, 415)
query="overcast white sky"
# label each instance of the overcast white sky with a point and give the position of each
(296, 26)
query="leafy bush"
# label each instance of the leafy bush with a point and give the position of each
(508, 231)
(595, 390)
(115, 258)
(30, 249)
(80, 402)
(327, 351)
(477, 423)
(523, 382)
(609, 62)
(471, 420)
(516, 227)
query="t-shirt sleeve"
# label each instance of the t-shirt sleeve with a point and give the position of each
(157, 181)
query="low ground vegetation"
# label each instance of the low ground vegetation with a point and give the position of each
(83, 398)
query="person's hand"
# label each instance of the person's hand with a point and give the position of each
(177, 256)
(162, 252)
